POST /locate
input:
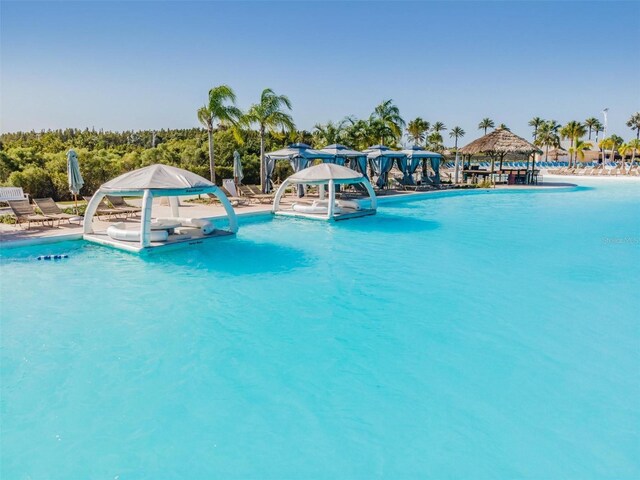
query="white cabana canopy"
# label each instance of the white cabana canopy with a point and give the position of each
(157, 181)
(329, 174)
(156, 177)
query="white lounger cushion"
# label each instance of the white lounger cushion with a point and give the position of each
(117, 231)
(206, 226)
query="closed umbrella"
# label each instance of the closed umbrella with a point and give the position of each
(73, 173)
(237, 168)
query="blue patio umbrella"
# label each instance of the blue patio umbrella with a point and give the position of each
(73, 173)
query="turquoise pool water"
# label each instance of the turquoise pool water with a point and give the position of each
(486, 336)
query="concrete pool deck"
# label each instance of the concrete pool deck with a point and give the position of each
(15, 236)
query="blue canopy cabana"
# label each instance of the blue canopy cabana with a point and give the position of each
(415, 156)
(381, 159)
(300, 155)
(342, 155)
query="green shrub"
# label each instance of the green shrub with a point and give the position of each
(35, 181)
(8, 219)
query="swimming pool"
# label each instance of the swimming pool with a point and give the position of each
(461, 336)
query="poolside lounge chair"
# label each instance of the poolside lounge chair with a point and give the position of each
(49, 208)
(105, 210)
(398, 185)
(25, 213)
(229, 189)
(250, 192)
(119, 203)
(235, 201)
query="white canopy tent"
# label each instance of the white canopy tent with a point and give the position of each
(329, 174)
(156, 181)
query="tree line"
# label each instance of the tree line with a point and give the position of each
(36, 161)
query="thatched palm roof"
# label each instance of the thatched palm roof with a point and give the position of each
(558, 151)
(499, 142)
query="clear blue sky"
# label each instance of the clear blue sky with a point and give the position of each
(149, 65)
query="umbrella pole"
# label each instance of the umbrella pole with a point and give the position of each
(75, 197)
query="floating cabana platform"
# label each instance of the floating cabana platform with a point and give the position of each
(158, 233)
(327, 207)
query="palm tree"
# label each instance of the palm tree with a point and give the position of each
(597, 128)
(358, 133)
(221, 108)
(624, 149)
(380, 132)
(417, 130)
(612, 143)
(573, 131)
(389, 116)
(435, 141)
(591, 123)
(329, 133)
(634, 124)
(580, 148)
(635, 146)
(548, 136)
(485, 124)
(456, 132)
(438, 127)
(269, 115)
(206, 119)
(536, 123)
(502, 126)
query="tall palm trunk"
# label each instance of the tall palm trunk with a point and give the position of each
(457, 163)
(572, 162)
(212, 163)
(262, 165)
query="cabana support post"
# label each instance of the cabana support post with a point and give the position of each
(332, 200)
(145, 222)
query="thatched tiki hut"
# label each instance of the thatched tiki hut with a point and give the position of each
(555, 153)
(497, 144)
